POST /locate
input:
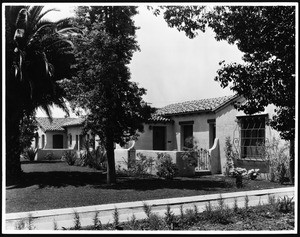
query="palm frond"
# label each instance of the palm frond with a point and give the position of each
(46, 108)
(46, 12)
(35, 12)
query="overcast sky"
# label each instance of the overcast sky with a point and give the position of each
(170, 66)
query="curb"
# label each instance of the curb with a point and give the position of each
(44, 219)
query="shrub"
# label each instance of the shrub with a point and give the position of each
(69, 157)
(97, 223)
(165, 167)
(140, 167)
(49, 156)
(29, 153)
(231, 156)
(77, 224)
(238, 174)
(93, 158)
(169, 218)
(285, 204)
(278, 159)
(116, 218)
(253, 174)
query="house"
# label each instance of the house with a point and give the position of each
(61, 134)
(208, 122)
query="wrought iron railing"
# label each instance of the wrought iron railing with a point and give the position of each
(203, 162)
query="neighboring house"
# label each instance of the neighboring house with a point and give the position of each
(59, 135)
(172, 126)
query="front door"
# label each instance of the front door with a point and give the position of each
(159, 138)
(58, 141)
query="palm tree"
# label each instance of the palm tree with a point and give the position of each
(39, 53)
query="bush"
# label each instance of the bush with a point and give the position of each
(285, 204)
(49, 156)
(29, 153)
(93, 158)
(278, 159)
(165, 167)
(140, 167)
(69, 157)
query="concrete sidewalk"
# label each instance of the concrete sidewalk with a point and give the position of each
(44, 220)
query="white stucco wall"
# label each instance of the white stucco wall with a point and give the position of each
(226, 125)
(200, 129)
(145, 139)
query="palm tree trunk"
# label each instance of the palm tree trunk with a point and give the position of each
(13, 150)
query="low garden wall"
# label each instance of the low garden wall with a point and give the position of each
(50, 154)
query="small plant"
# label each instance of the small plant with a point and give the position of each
(77, 224)
(221, 213)
(133, 222)
(285, 204)
(181, 212)
(253, 173)
(196, 211)
(29, 153)
(116, 217)
(55, 227)
(165, 166)
(246, 202)
(271, 199)
(235, 205)
(69, 157)
(155, 222)
(20, 225)
(208, 210)
(238, 173)
(96, 221)
(147, 209)
(169, 217)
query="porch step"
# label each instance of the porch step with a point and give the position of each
(202, 172)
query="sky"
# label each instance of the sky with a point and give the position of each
(170, 66)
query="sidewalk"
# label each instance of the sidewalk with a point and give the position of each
(44, 220)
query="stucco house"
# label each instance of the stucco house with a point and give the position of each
(59, 135)
(208, 122)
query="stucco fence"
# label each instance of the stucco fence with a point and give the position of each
(50, 154)
(123, 157)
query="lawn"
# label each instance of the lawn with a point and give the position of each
(49, 185)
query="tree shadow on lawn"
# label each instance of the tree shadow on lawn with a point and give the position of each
(97, 180)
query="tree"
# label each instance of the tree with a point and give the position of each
(266, 36)
(102, 86)
(38, 55)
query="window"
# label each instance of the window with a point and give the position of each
(252, 136)
(70, 139)
(43, 141)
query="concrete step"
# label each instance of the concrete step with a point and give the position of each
(202, 172)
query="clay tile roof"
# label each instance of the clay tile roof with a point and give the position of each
(194, 106)
(157, 118)
(55, 125)
(74, 122)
